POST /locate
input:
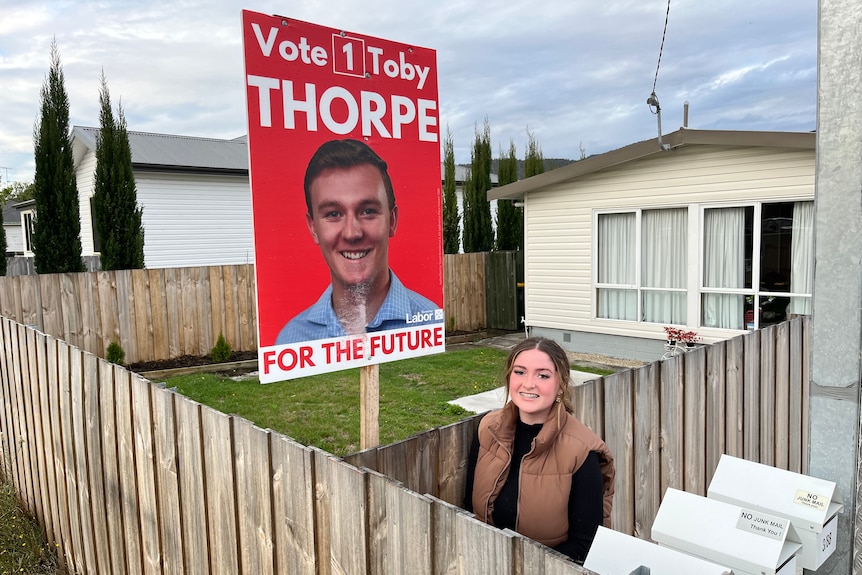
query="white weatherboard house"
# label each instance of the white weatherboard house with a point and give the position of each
(713, 234)
(12, 228)
(194, 193)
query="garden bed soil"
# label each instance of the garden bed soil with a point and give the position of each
(185, 361)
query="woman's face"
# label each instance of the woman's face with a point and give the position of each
(534, 385)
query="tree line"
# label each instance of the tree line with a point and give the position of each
(472, 227)
(56, 233)
(117, 217)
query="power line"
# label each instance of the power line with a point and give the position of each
(661, 49)
(652, 101)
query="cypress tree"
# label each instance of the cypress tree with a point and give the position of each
(451, 218)
(469, 231)
(115, 207)
(478, 231)
(534, 163)
(57, 226)
(2, 249)
(509, 224)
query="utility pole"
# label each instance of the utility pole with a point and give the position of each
(836, 322)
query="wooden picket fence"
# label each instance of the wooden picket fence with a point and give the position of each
(481, 290)
(128, 477)
(464, 296)
(667, 423)
(157, 314)
(153, 313)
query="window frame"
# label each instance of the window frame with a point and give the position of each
(638, 286)
(754, 291)
(27, 218)
(695, 263)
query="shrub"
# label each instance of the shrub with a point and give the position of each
(221, 351)
(677, 334)
(115, 353)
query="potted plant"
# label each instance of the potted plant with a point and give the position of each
(676, 336)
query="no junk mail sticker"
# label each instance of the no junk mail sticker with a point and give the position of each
(344, 151)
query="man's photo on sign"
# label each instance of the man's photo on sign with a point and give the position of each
(351, 215)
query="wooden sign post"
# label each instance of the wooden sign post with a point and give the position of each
(369, 406)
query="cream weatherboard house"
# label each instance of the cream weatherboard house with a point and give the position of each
(194, 193)
(712, 232)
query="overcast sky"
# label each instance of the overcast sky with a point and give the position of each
(577, 73)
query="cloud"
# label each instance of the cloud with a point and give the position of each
(571, 72)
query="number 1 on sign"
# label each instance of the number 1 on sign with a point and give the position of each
(348, 51)
(348, 55)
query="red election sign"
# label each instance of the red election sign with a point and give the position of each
(344, 150)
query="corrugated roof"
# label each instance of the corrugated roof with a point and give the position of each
(171, 151)
(461, 174)
(639, 150)
(12, 210)
(10, 214)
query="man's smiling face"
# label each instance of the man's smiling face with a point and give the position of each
(352, 222)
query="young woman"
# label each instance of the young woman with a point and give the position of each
(534, 468)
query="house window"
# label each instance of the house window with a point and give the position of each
(27, 229)
(757, 264)
(641, 271)
(727, 249)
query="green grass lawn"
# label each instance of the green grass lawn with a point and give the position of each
(22, 548)
(324, 410)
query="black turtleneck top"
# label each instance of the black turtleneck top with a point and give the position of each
(585, 499)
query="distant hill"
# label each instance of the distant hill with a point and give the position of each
(550, 164)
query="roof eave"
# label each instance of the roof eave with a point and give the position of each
(639, 150)
(139, 167)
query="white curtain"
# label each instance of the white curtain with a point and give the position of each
(724, 266)
(663, 264)
(617, 265)
(802, 257)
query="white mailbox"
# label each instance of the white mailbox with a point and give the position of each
(812, 505)
(749, 542)
(615, 553)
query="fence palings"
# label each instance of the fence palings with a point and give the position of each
(254, 498)
(694, 416)
(221, 488)
(619, 433)
(716, 402)
(152, 314)
(156, 314)
(647, 452)
(49, 498)
(465, 291)
(190, 482)
(166, 444)
(293, 505)
(82, 479)
(128, 477)
(111, 465)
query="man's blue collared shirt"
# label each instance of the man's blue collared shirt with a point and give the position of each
(320, 322)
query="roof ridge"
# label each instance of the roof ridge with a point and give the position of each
(236, 140)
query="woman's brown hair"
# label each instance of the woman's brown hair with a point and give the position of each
(558, 357)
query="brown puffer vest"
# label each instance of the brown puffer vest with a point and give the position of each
(546, 472)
